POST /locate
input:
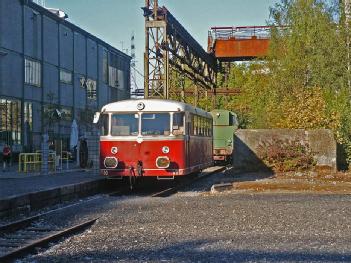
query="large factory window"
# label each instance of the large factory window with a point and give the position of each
(32, 72)
(10, 121)
(105, 66)
(65, 76)
(112, 71)
(113, 77)
(91, 89)
(28, 126)
(28, 113)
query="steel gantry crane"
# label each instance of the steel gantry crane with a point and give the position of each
(169, 51)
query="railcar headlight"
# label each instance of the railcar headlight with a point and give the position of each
(111, 162)
(165, 149)
(162, 162)
(114, 150)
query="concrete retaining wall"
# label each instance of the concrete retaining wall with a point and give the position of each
(33, 201)
(246, 144)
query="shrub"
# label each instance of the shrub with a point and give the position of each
(286, 155)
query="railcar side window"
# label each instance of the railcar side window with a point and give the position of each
(206, 127)
(124, 124)
(202, 126)
(196, 125)
(210, 123)
(155, 124)
(178, 123)
(104, 124)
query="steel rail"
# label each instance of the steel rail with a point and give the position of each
(27, 248)
(172, 190)
(14, 226)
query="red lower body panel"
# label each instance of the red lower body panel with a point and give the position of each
(139, 159)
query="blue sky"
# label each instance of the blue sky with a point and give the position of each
(115, 20)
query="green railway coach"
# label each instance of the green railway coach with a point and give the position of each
(224, 125)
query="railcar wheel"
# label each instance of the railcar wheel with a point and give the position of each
(132, 182)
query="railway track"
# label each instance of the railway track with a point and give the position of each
(188, 181)
(22, 237)
(149, 189)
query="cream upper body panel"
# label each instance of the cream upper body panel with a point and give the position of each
(153, 105)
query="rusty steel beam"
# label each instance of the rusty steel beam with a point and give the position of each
(240, 49)
(239, 43)
(168, 46)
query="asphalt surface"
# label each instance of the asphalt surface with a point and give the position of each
(11, 186)
(197, 227)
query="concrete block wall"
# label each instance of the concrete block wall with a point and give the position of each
(246, 143)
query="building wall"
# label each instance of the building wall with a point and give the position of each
(30, 32)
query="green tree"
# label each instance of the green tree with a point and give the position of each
(304, 81)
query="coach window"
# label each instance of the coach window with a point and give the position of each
(124, 124)
(199, 132)
(155, 124)
(178, 123)
(200, 125)
(205, 127)
(211, 127)
(194, 125)
(104, 124)
(191, 125)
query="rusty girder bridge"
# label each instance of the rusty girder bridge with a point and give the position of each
(171, 53)
(177, 67)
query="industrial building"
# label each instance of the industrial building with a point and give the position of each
(52, 72)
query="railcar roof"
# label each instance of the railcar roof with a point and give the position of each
(153, 105)
(221, 110)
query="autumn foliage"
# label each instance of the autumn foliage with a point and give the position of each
(305, 81)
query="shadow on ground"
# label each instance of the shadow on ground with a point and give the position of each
(195, 251)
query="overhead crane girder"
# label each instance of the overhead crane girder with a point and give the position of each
(168, 45)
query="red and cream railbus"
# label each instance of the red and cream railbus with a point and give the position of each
(152, 137)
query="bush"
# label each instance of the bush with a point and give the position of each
(286, 155)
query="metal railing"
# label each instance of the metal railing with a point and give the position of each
(65, 157)
(241, 32)
(31, 162)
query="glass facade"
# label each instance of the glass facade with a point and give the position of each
(91, 89)
(10, 121)
(52, 73)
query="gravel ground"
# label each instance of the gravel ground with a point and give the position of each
(196, 227)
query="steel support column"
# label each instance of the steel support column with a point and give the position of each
(169, 47)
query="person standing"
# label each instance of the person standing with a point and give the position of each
(6, 156)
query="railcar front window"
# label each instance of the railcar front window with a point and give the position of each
(178, 123)
(155, 124)
(124, 124)
(104, 124)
